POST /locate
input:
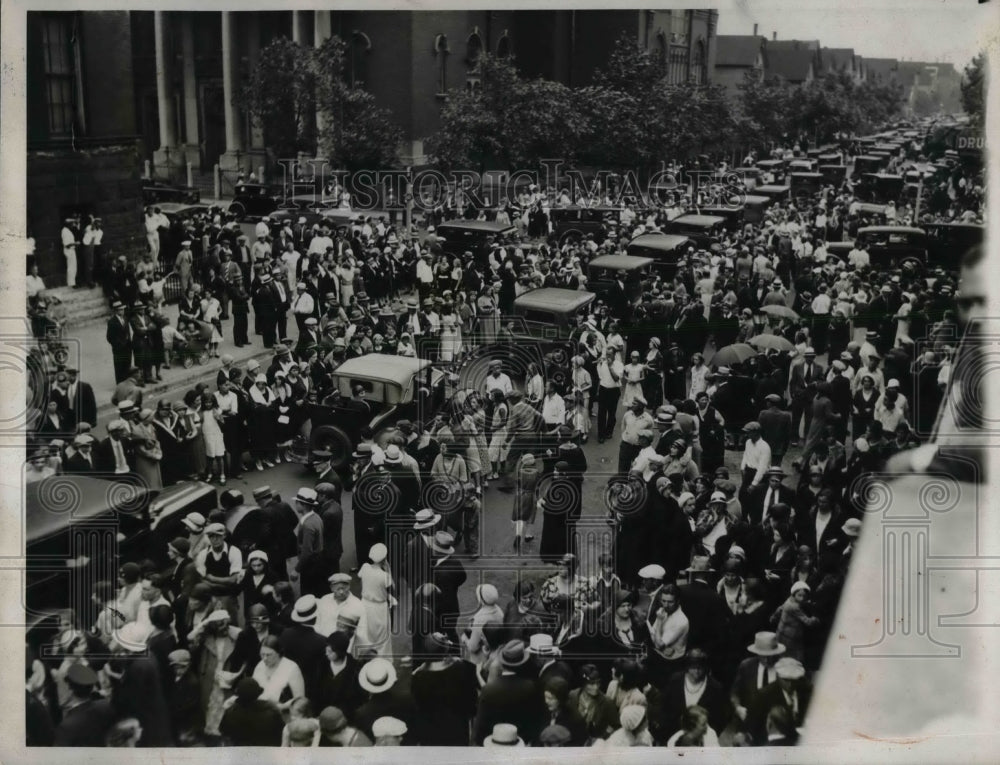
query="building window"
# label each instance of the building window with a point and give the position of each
(677, 71)
(360, 47)
(661, 48)
(441, 52)
(698, 66)
(503, 46)
(473, 59)
(57, 47)
(679, 27)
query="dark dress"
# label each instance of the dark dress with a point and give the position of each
(341, 690)
(446, 703)
(563, 502)
(448, 575)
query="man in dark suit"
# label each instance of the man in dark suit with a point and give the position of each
(672, 701)
(755, 673)
(307, 338)
(386, 697)
(802, 387)
(791, 690)
(332, 515)
(820, 528)
(113, 454)
(119, 337)
(280, 522)
(81, 398)
(250, 721)
(128, 389)
(511, 698)
(766, 495)
(775, 427)
(309, 537)
(266, 304)
(302, 644)
(704, 607)
(82, 460)
(87, 717)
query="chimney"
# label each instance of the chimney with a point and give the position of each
(754, 30)
(774, 35)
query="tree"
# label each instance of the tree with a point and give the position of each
(278, 96)
(824, 107)
(356, 132)
(972, 88)
(764, 105)
(631, 69)
(926, 103)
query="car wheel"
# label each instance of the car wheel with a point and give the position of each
(333, 440)
(559, 357)
(203, 358)
(559, 377)
(570, 236)
(237, 210)
(188, 362)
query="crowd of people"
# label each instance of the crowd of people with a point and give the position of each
(709, 611)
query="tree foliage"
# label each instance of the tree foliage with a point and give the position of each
(292, 82)
(278, 96)
(973, 88)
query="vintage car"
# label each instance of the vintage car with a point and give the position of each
(732, 214)
(839, 250)
(396, 388)
(894, 246)
(880, 187)
(704, 230)
(800, 165)
(774, 166)
(155, 191)
(775, 191)
(805, 184)
(833, 174)
(751, 176)
(575, 223)
(256, 200)
(664, 249)
(635, 272)
(755, 206)
(867, 163)
(475, 236)
(75, 525)
(182, 211)
(947, 243)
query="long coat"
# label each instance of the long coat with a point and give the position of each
(562, 504)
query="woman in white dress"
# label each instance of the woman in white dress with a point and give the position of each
(377, 598)
(499, 448)
(211, 311)
(474, 648)
(346, 273)
(215, 446)
(279, 676)
(449, 340)
(635, 373)
(903, 320)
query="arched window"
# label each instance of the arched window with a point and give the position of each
(473, 58)
(441, 52)
(361, 45)
(503, 46)
(698, 64)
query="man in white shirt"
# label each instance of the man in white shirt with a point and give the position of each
(303, 306)
(290, 259)
(609, 390)
(261, 230)
(152, 595)
(553, 408)
(497, 380)
(220, 565)
(756, 457)
(858, 258)
(320, 242)
(69, 250)
(425, 275)
(339, 602)
(152, 224)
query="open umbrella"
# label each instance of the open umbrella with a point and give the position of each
(772, 342)
(779, 311)
(736, 353)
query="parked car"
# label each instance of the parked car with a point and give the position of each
(775, 191)
(573, 223)
(664, 249)
(77, 525)
(833, 174)
(396, 388)
(947, 243)
(895, 246)
(732, 214)
(774, 166)
(805, 184)
(256, 200)
(880, 187)
(475, 236)
(755, 206)
(154, 191)
(867, 163)
(704, 230)
(603, 271)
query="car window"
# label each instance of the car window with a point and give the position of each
(531, 314)
(374, 390)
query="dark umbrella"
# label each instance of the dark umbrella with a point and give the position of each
(736, 353)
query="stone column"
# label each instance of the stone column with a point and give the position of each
(321, 33)
(234, 158)
(300, 27)
(168, 154)
(192, 137)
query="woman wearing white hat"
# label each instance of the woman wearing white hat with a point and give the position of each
(489, 613)
(793, 621)
(378, 600)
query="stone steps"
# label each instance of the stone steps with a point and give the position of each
(83, 306)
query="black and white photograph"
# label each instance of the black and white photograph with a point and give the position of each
(539, 376)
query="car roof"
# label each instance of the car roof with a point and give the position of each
(173, 207)
(699, 220)
(548, 298)
(90, 497)
(661, 241)
(891, 230)
(806, 175)
(773, 187)
(621, 262)
(770, 162)
(383, 366)
(756, 199)
(477, 225)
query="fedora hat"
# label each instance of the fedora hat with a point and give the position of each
(377, 676)
(305, 610)
(504, 734)
(443, 543)
(426, 519)
(306, 496)
(513, 654)
(541, 644)
(766, 644)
